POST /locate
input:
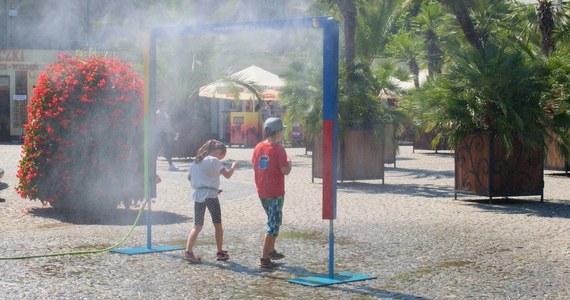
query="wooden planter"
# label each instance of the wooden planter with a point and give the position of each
(555, 161)
(361, 157)
(482, 168)
(422, 141)
(390, 145)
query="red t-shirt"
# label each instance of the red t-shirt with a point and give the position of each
(268, 159)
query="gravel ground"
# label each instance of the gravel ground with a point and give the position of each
(407, 231)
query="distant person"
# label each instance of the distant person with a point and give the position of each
(270, 165)
(267, 111)
(164, 133)
(204, 176)
(1, 184)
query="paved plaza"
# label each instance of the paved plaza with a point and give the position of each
(407, 231)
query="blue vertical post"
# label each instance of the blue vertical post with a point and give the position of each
(330, 129)
(148, 225)
(330, 145)
(151, 159)
(151, 95)
(149, 151)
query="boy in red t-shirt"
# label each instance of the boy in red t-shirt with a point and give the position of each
(270, 165)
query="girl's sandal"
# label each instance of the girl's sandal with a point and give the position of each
(190, 257)
(222, 255)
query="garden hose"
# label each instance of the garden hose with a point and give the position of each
(84, 251)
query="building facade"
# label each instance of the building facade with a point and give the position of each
(18, 75)
(32, 34)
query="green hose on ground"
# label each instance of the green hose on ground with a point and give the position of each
(84, 251)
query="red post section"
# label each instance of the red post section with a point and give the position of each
(329, 194)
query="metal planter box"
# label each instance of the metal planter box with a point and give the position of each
(483, 168)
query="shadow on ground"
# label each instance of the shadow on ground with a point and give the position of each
(120, 216)
(416, 190)
(421, 173)
(530, 207)
(440, 154)
(285, 272)
(558, 174)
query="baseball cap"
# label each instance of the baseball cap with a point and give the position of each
(273, 124)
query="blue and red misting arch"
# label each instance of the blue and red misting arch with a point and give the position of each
(330, 31)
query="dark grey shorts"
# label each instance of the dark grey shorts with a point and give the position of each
(213, 205)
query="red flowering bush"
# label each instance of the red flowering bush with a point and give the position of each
(83, 148)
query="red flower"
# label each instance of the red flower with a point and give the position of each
(85, 121)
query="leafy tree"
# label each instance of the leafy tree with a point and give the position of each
(302, 97)
(460, 9)
(478, 94)
(545, 31)
(347, 9)
(499, 83)
(428, 24)
(366, 26)
(408, 48)
(546, 26)
(376, 21)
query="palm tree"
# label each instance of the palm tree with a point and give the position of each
(460, 9)
(366, 26)
(376, 21)
(494, 107)
(347, 9)
(546, 26)
(387, 74)
(427, 21)
(476, 95)
(302, 97)
(408, 48)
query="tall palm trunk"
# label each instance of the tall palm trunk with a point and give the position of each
(460, 10)
(348, 10)
(434, 53)
(546, 25)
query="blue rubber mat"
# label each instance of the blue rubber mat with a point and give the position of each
(322, 280)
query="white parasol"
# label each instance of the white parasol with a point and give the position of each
(267, 83)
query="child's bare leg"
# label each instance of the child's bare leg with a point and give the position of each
(219, 234)
(272, 246)
(268, 245)
(192, 237)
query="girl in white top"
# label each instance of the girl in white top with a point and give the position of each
(204, 176)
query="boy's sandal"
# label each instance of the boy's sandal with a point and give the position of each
(190, 257)
(222, 255)
(266, 263)
(274, 255)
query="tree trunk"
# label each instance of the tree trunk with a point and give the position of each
(546, 25)
(348, 11)
(459, 8)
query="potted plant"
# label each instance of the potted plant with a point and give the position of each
(365, 120)
(488, 105)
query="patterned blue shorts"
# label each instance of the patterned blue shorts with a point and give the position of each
(274, 209)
